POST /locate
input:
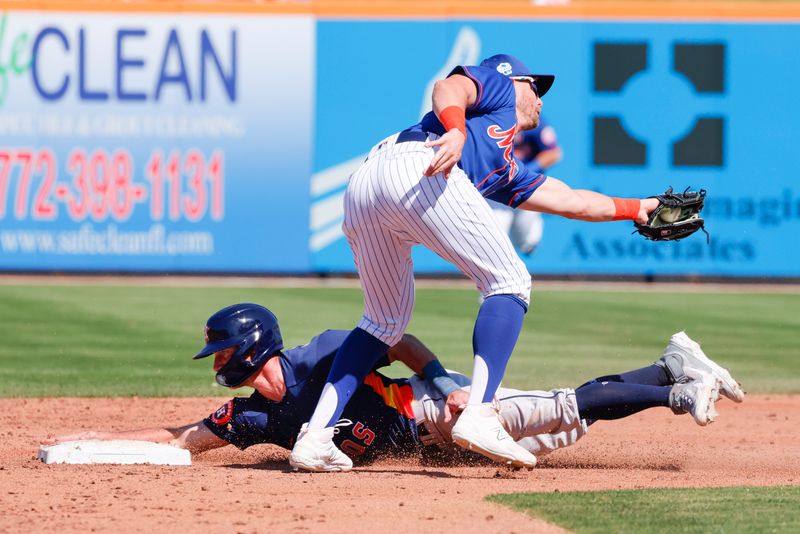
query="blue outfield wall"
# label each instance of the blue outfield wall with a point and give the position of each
(191, 142)
(626, 105)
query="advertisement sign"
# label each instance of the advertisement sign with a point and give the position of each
(210, 142)
(154, 141)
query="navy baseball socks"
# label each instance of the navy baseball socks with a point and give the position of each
(496, 332)
(479, 427)
(683, 379)
(314, 449)
(613, 399)
(604, 400)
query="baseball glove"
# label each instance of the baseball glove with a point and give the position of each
(676, 217)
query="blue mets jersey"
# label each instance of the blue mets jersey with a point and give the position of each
(380, 412)
(488, 157)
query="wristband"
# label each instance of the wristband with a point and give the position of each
(452, 117)
(626, 208)
(438, 377)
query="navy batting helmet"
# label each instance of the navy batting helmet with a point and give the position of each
(252, 329)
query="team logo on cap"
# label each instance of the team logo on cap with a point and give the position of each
(505, 68)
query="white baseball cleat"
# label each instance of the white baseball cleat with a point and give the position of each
(314, 451)
(683, 359)
(479, 429)
(696, 397)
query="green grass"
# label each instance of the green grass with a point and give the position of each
(100, 340)
(716, 510)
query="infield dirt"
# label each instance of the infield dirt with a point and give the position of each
(755, 444)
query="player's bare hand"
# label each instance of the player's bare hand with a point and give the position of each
(456, 402)
(448, 154)
(79, 436)
(646, 207)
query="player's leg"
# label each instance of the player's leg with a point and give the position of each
(617, 396)
(388, 285)
(651, 375)
(452, 219)
(684, 379)
(608, 399)
(682, 361)
(620, 395)
(383, 262)
(542, 421)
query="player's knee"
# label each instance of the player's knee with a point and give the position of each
(514, 281)
(527, 290)
(524, 283)
(519, 291)
(388, 330)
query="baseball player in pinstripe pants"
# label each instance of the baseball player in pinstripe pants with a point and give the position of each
(426, 185)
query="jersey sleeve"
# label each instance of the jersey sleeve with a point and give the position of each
(330, 340)
(524, 184)
(327, 344)
(495, 91)
(242, 421)
(299, 363)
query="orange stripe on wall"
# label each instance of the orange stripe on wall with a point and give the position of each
(679, 10)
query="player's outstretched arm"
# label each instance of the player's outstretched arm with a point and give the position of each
(195, 437)
(556, 197)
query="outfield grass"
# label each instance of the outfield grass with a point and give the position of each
(95, 340)
(714, 510)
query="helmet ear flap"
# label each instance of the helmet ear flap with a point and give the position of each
(241, 365)
(253, 329)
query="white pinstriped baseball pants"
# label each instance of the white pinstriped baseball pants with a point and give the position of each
(391, 206)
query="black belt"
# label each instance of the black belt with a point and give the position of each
(407, 136)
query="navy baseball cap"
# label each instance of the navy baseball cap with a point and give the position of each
(512, 67)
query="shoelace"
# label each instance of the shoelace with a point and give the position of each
(335, 452)
(685, 401)
(678, 400)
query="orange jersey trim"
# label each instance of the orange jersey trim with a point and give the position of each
(399, 397)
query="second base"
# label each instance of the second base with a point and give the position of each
(113, 452)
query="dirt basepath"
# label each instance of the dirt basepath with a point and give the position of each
(234, 491)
